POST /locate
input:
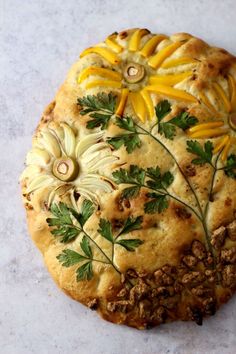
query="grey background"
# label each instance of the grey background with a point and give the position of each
(39, 40)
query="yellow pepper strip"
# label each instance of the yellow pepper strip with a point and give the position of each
(223, 96)
(221, 144)
(123, 98)
(138, 104)
(135, 39)
(171, 63)
(103, 83)
(148, 101)
(111, 43)
(225, 150)
(151, 44)
(171, 92)
(94, 70)
(207, 103)
(104, 52)
(207, 133)
(232, 85)
(156, 60)
(169, 80)
(203, 126)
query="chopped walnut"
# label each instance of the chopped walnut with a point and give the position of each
(131, 273)
(201, 291)
(159, 315)
(158, 276)
(190, 261)
(168, 269)
(160, 291)
(120, 306)
(93, 304)
(139, 291)
(229, 256)
(209, 260)
(193, 278)
(198, 249)
(209, 306)
(231, 230)
(218, 237)
(122, 293)
(210, 274)
(229, 276)
(145, 308)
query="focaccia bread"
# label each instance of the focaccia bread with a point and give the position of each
(130, 186)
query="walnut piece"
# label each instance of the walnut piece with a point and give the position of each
(198, 250)
(231, 230)
(229, 256)
(218, 237)
(229, 276)
(193, 278)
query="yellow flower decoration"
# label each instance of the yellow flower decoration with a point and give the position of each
(61, 160)
(133, 69)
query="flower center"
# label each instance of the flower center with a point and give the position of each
(65, 169)
(134, 73)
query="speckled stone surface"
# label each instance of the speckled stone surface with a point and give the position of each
(39, 40)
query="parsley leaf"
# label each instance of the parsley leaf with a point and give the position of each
(85, 272)
(162, 109)
(130, 244)
(204, 154)
(105, 230)
(87, 210)
(167, 129)
(130, 140)
(230, 168)
(135, 175)
(69, 257)
(157, 180)
(85, 246)
(184, 120)
(158, 203)
(100, 107)
(131, 224)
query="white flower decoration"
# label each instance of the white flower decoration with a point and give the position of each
(59, 159)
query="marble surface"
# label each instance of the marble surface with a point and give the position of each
(39, 40)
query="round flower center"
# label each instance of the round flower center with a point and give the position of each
(134, 73)
(65, 169)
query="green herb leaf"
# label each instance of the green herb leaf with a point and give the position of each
(130, 244)
(157, 180)
(85, 272)
(131, 224)
(87, 210)
(130, 140)
(158, 203)
(69, 257)
(130, 192)
(167, 129)
(162, 109)
(230, 168)
(134, 174)
(105, 230)
(85, 246)
(184, 120)
(204, 154)
(100, 107)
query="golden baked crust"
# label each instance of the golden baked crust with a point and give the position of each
(177, 97)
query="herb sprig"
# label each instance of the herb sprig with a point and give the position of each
(67, 224)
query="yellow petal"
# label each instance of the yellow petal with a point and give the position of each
(221, 144)
(171, 92)
(208, 133)
(123, 98)
(94, 70)
(103, 83)
(148, 102)
(135, 39)
(169, 79)
(225, 150)
(204, 126)
(223, 96)
(104, 52)
(171, 63)
(151, 44)
(111, 43)
(138, 104)
(156, 60)
(232, 85)
(207, 103)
